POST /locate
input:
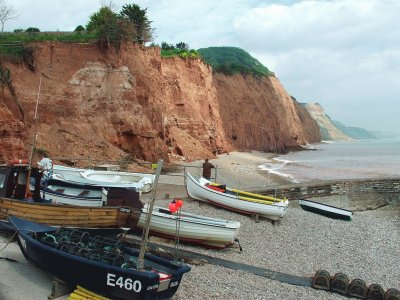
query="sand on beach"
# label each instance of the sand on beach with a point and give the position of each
(300, 244)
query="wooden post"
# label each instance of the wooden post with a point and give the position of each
(140, 262)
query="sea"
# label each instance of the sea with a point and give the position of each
(338, 160)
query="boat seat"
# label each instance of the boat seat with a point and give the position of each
(165, 211)
(83, 193)
(61, 191)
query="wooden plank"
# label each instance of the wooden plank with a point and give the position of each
(92, 214)
(59, 209)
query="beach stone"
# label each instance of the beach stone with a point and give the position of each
(340, 283)
(358, 289)
(321, 280)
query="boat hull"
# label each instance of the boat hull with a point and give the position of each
(196, 189)
(192, 228)
(111, 281)
(65, 215)
(143, 181)
(326, 210)
(54, 197)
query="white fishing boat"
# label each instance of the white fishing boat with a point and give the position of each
(84, 196)
(232, 199)
(326, 210)
(121, 177)
(192, 228)
(109, 178)
(82, 181)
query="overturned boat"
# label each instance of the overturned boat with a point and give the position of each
(326, 210)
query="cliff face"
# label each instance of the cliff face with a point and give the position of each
(107, 105)
(328, 130)
(259, 114)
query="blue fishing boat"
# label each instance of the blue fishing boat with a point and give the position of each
(103, 265)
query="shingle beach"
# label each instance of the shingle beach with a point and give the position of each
(300, 244)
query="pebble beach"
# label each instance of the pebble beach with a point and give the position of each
(300, 244)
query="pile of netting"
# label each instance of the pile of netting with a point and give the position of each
(108, 250)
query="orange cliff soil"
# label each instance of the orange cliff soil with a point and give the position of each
(106, 105)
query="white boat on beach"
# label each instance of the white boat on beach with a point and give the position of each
(73, 195)
(192, 228)
(232, 199)
(104, 178)
(121, 177)
(79, 180)
(326, 210)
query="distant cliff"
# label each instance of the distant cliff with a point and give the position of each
(107, 105)
(334, 130)
(328, 130)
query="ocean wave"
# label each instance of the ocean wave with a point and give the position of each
(274, 168)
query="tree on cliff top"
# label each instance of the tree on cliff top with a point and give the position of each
(138, 17)
(7, 12)
(110, 28)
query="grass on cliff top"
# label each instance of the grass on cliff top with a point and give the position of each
(26, 37)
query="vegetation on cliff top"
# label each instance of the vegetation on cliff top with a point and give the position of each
(181, 49)
(232, 60)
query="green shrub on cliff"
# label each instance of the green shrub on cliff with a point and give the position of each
(232, 60)
(181, 49)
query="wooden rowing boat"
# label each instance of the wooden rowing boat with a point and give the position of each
(326, 210)
(13, 202)
(233, 199)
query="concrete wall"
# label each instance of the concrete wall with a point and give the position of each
(356, 194)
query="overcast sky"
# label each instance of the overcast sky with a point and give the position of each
(343, 54)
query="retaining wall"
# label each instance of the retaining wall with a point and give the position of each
(368, 193)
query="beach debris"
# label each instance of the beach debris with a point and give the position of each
(375, 292)
(340, 283)
(357, 288)
(392, 294)
(322, 280)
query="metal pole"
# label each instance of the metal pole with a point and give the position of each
(36, 121)
(143, 243)
(27, 189)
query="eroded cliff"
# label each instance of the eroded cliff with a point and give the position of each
(107, 105)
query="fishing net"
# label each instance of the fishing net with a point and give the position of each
(104, 249)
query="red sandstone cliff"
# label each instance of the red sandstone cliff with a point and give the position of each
(107, 105)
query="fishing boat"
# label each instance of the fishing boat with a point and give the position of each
(123, 208)
(73, 195)
(326, 210)
(82, 181)
(103, 265)
(121, 177)
(193, 228)
(104, 177)
(236, 200)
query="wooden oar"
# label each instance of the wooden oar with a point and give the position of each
(256, 195)
(253, 197)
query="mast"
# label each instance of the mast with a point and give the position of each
(143, 243)
(36, 122)
(27, 191)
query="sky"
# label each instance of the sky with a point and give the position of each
(343, 54)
